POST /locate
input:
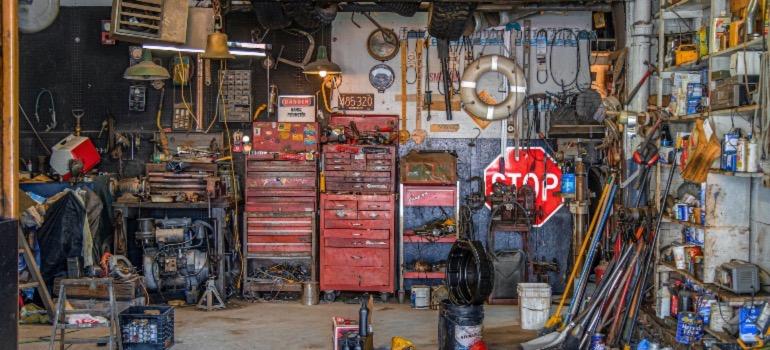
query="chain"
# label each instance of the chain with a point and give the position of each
(215, 5)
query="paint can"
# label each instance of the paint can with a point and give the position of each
(459, 326)
(721, 313)
(420, 297)
(689, 328)
(598, 341)
(534, 304)
(309, 293)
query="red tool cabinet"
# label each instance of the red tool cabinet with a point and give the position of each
(281, 192)
(359, 169)
(357, 242)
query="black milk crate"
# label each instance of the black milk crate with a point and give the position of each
(147, 327)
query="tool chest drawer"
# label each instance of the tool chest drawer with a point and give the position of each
(359, 169)
(357, 242)
(265, 233)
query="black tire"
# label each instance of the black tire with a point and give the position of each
(310, 15)
(448, 20)
(270, 15)
(403, 8)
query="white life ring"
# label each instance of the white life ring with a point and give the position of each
(493, 63)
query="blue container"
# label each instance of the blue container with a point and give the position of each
(568, 183)
(598, 341)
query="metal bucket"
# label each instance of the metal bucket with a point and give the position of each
(309, 293)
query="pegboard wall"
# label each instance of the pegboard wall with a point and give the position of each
(47, 59)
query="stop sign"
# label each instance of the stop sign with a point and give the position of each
(535, 168)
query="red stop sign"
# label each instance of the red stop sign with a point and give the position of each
(535, 168)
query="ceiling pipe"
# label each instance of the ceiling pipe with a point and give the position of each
(10, 127)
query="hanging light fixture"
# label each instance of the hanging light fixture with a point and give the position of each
(146, 70)
(322, 66)
(216, 42)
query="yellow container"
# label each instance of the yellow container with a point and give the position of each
(685, 54)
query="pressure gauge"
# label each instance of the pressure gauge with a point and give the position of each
(381, 77)
(382, 44)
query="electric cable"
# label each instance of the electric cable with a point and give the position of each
(545, 37)
(565, 34)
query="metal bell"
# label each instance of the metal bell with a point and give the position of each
(216, 47)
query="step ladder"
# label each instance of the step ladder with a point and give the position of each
(34, 271)
(110, 313)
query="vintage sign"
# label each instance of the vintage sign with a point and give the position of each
(535, 168)
(356, 102)
(296, 108)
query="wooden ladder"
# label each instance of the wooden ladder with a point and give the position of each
(111, 313)
(37, 278)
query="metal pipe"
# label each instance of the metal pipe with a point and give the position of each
(10, 136)
(199, 93)
(639, 53)
(581, 207)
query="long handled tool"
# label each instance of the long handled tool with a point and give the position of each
(582, 281)
(634, 313)
(556, 319)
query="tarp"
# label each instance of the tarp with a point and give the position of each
(61, 236)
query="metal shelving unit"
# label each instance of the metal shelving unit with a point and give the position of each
(423, 196)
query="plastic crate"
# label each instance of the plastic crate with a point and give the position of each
(147, 327)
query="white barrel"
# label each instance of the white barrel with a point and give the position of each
(534, 304)
(420, 297)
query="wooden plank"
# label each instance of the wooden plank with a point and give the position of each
(140, 15)
(139, 24)
(140, 7)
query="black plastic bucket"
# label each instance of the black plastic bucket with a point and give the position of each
(459, 326)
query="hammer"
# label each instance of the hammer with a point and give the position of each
(651, 68)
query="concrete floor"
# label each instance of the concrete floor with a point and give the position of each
(291, 326)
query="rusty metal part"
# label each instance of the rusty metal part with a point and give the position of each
(10, 124)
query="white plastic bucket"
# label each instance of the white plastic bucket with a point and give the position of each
(534, 304)
(420, 297)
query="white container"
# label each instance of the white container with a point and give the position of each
(534, 304)
(721, 313)
(420, 297)
(745, 63)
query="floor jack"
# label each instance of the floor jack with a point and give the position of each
(210, 296)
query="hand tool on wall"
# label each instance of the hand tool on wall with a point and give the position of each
(51, 109)
(34, 130)
(446, 78)
(419, 134)
(161, 131)
(403, 134)
(428, 92)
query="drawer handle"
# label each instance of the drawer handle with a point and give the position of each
(356, 257)
(356, 234)
(339, 205)
(356, 224)
(373, 215)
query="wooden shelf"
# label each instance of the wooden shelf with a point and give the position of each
(721, 293)
(424, 275)
(726, 112)
(668, 219)
(410, 237)
(751, 45)
(687, 5)
(689, 66)
(721, 172)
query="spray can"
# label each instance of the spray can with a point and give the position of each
(751, 156)
(741, 154)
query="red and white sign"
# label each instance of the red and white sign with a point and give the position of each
(535, 168)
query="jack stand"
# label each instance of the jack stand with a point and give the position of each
(208, 297)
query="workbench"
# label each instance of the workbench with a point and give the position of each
(215, 209)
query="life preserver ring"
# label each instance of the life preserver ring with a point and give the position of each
(493, 63)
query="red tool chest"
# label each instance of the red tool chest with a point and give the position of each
(357, 242)
(281, 194)
(359, 169)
